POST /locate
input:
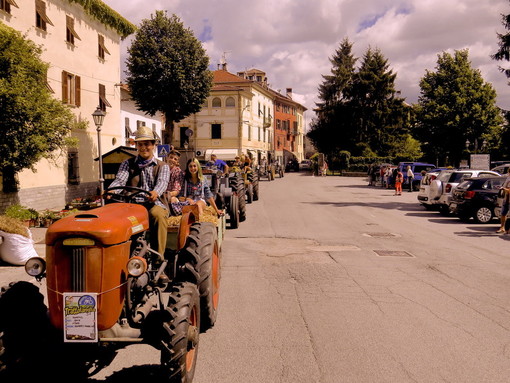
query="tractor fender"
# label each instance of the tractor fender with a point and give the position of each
(225, 191)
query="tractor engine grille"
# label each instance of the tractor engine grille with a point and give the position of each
(78, 269)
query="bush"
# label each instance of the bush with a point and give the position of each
(21, 212)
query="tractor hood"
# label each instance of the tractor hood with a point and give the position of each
(110, 225)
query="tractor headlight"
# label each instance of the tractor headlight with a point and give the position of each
(136, 266)
(35, 266)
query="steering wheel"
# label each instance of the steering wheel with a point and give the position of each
(129, 195)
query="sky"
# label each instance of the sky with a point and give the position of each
(293, 40)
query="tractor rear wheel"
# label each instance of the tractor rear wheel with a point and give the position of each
(180, 338)
(208, 269)
(234, 212)
(256, 190)
(249, 193)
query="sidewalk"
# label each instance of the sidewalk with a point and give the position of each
(38, 235)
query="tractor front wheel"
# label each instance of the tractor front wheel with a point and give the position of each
(181, 334)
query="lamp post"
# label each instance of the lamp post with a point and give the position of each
(98, 117)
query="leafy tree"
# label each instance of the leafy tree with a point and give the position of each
(167, 70)
(456, 105)
(330, 130)
(380, 115)
(34, 125)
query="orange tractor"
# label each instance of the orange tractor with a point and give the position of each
(106, 288)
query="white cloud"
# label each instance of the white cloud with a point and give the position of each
(292, 40)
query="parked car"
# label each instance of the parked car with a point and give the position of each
(417, 168)
(428, 193)
(476, 198)
(305, 165)
(502, 169)
(455, 178)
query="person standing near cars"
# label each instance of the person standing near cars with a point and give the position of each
(410, 177)
(399, 178)
(505, 204)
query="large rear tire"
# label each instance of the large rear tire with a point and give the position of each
(256, 190)
(233, 212)
(249, 193)
(180, 338)
(208, 269)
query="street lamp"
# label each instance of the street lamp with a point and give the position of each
(98, 117)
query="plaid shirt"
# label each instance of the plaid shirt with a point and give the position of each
(199, 191)
(176, 180)
(147, 179)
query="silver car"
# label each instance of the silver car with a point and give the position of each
(427, 195)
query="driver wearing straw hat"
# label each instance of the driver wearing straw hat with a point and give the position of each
(148, 173)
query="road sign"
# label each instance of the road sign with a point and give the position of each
(189, 132)
(480, 161)
(163, 150)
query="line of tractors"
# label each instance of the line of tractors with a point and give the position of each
(107, 288)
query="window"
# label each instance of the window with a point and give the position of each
(156, 135)
(73, 167)
(41, 19)
(216, 131)
(216, 102)
(139, 123)
(127, 130)
(103, 102)
(70, 32)
(230, 103)
(101, 47)
(71, 89)
(5, 5)
(249, 132)
(184, 138)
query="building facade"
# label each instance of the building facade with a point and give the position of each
(243, 113)
(238, 114)
(84, 73)
(289, 127)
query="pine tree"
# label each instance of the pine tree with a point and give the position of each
(330, 130)
(503, 52)
(380, 115)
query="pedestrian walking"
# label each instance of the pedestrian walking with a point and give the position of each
(399, 178)
(410, 177)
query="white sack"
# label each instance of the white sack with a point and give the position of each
(16, 249)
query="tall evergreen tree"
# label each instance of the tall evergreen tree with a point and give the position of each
(456, 105)
(503, 52)
(329, 131)
(167, 70)
(380, 115)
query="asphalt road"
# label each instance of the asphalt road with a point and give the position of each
(329, 280)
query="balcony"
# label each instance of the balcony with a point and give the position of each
(268, 121)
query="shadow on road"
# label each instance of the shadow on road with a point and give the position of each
(145, 373)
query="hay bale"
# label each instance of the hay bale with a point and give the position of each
(13, 226)
(209, 215)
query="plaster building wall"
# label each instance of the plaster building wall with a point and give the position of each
(81, 78)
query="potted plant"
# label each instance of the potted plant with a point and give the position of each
(46, 218)
(22, 213)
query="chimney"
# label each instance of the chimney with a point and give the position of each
(289, 93)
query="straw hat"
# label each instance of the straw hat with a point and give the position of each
(144, 133)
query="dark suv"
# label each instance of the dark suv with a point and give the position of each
(477, 198)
